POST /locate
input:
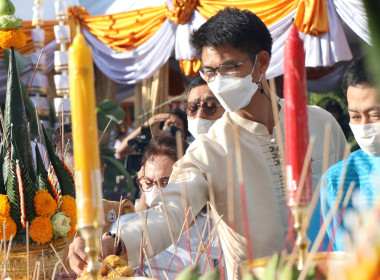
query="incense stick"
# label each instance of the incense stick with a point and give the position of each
(279, 136)
(166, 215)
(36, 271)
(55, 269)
(326, 148)
(43, 264)
(63, 265)
(179, 238)
(322, 231)
(118, 223)
(239, 166)
(166, 276)
(230, 191)
(7, 257)
(147, 261)
(34, 74)
(201, 238)
(210, 188)
(305, 169)
(104, 131)
(109, 266)
(38, 128)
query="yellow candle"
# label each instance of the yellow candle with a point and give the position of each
(85, 135)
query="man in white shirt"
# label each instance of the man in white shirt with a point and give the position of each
(234, 47)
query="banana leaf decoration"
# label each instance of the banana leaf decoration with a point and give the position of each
(16, 188)
(2, 182)
(15, 116)
(42, 174)
(65, 180)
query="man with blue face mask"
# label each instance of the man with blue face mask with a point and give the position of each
(234, 47)
(363, 166)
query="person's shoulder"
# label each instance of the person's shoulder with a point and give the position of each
(319, 112)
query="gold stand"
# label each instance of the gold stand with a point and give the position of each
(301, 226)
(92, 236)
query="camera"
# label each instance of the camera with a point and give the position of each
(138, 144)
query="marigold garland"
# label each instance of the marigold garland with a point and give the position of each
(5, 206)
(41, 230)
(10, 228)
(69, 207)
(44, 204)
(12, 38)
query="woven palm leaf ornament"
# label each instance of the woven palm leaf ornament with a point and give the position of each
(44, 198)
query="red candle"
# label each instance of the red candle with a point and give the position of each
(296, 123)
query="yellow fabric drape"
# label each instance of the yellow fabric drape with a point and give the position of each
(183, 9)
(190, 67)
(312, 17)
(269, 11)
(48, 26)
(122, 31)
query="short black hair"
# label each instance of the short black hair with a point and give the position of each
(163, 145)
(241, 29)
(198, 81)
(356, 74)
(182, 115)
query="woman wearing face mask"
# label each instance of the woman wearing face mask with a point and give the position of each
(157, 165)
(202, 107)
(362, 166)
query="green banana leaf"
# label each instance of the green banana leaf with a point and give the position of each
(42, 174)
(65, 180)
(15, 118)
(109, 110)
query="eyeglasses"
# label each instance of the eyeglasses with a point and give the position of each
(226, 70)
(209, 107)
(146, 184)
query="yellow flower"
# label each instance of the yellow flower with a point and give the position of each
(5, 206)
(12, 38)
(44, 204)
(10, 228)
(69, 207)
(41, 230)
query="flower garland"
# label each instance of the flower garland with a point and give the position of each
(10, 225)
(5, 206)
(41, 230)
(44, 204)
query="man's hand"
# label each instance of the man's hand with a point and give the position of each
(77, 256)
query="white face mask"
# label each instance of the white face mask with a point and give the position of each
(199, 126)
(234, 93)
(150, 196)
(368, 137)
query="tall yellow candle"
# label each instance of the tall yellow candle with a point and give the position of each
(85, 135)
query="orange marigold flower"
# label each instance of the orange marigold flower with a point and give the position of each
(41, 230)
(12, 38)
(10, 228)
(69, 207)
(5, 206)
(44, 204)
(73, 230)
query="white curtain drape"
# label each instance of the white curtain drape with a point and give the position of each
(128, 67)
